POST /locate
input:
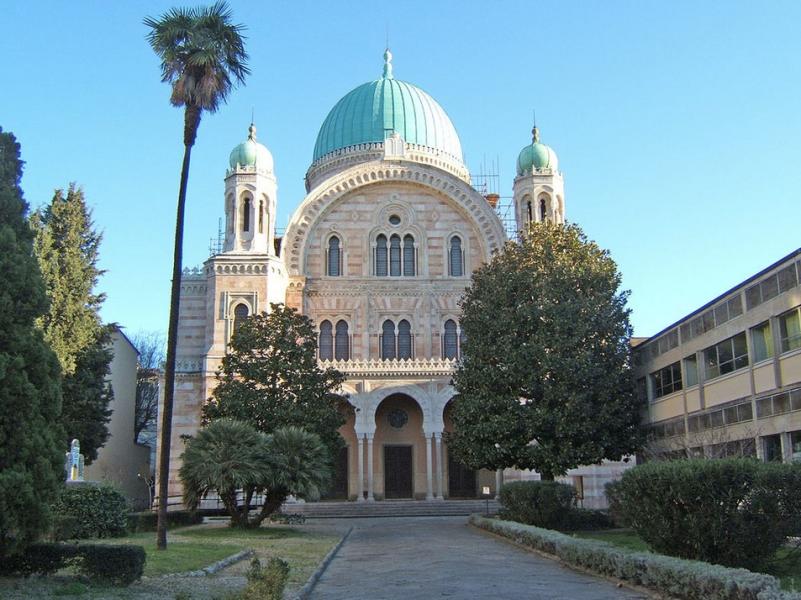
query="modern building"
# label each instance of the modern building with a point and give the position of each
(121, 460)
(726, 379)
(377, 255)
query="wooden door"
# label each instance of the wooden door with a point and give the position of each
(339, 484)
(461, 480)
(398, 472)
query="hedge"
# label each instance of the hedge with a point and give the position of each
(676, 577)
(549, 504)
(733, 512)
(90, 511)
(147, 521)
(104, 563)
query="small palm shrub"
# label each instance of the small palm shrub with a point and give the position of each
(266, 583)
(735, 512)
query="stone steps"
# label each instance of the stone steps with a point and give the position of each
(390, 508)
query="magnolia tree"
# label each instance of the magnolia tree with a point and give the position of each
(545, 381)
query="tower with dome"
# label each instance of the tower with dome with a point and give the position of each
(377, 255)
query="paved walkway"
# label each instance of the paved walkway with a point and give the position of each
(443, 557)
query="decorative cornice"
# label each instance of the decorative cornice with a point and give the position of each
(420, 367)
(321, 198)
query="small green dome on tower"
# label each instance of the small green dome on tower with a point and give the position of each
(536, 156)
(250, 153)
(373, 111)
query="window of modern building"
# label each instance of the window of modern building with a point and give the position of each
(727, 356)
(795, 445)
(395, 256)
(342, 341)
(241, 313)
(246, 215)
(404, 340)
(388, 340)
(790, 330)
(762, 341)
(381, 256)
(772, 445)
(691, 370)
(408, 256)
(326, 344)
(667, 380)
(455, 266)
(772, 286)
(334, 258)
(450, 340)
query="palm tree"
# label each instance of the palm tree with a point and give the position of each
(224, 457)
(299, 466)
(203, 57)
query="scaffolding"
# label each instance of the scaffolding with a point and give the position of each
(487, 183)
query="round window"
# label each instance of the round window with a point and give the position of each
(394, 220)
(398, 418)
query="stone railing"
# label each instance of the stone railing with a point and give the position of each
(389, 368)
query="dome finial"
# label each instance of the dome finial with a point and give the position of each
(535, 132)
(252, 132)
(387, 64)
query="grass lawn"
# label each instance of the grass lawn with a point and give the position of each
(189, 549)
(786, 565)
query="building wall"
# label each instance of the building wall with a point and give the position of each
(120, 460)
(746, 408)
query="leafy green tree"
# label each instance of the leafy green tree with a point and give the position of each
(31, 456)
(202, 57)
(270, 378)
(67, 247)
(544, 381)
(230, 456)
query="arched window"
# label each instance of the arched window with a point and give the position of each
(395, 256)
(381, 256)
(450, 345)
(388, 340)
(334, 257)
(241, 313)
(542, 209)
(326, 345)
(530, 213)
(342, 345)
(261, 216)
(455, 257)
(408, 255)
(246, 215)
(404, 339)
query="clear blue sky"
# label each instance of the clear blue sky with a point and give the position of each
(677, 124)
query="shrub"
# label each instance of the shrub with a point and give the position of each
(119, 564)
(288, 518)
(266, 583)
(93, 511)
(733, 512)
(674, 577)
(542, 503)
(147, 521)
(586, 519)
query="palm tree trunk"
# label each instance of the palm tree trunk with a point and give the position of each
(191, 122)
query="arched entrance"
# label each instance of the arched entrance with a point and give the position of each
(339, 487)
(400, 461)
(462, 480)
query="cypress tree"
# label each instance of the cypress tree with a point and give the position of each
(67, 247)
(31, 455)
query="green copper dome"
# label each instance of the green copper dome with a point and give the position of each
(251, 154)
(536, 156)
(374, 110)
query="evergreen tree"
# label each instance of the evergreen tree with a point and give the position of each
(67, 247)
(544, 381)
(270, 378)
(31, 454)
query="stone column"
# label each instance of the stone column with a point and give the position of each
(370, 497)
(438, 440)
(360, 475)
(429, 484)
(498, 483)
